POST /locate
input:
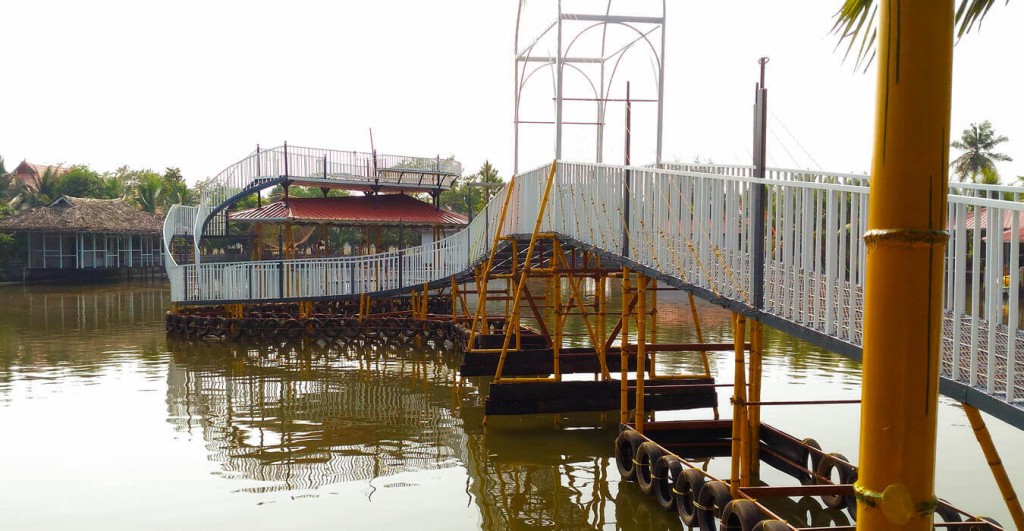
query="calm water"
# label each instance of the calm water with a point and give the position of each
(109, 424)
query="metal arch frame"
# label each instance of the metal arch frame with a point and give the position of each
(561, 58)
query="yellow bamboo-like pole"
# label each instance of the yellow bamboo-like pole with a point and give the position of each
(624, 350)
(739, 329)
(754, 395)
(641, 349)
(996, 464)
(906, 242)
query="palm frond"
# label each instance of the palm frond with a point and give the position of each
(856, 17)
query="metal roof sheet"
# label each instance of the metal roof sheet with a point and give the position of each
(384, 209)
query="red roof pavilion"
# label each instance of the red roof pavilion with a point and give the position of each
(384, 209)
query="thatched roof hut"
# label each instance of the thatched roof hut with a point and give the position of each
(79, 214)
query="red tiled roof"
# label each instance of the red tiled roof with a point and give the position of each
(969, 220)
(386, 209)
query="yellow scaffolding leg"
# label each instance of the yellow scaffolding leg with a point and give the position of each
(641, 350)
(623, 350)
(739, 325)
(996, 464)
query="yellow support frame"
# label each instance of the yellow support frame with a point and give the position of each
(513, 321)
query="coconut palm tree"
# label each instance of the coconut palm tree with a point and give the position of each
(977, 143)
(149, 192)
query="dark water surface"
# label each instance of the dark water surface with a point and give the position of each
(107, 423)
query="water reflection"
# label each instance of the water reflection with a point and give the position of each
(310, 414)
(51, 333)
(83, 374)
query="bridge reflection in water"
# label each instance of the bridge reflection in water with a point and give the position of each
(305, 415)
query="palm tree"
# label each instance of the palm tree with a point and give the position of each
(149, 192)
(977, 143)
(855, 21)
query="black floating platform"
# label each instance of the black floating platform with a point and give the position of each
(533, 361)
(521, 398)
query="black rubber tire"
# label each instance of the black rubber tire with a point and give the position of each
(850, 501)
(626, 446)
(687, 487)
(312, 327)
(410, 328)
(947, 513)
(292, 328)
(217, 325)
(648, 454)
(810, 461)
(270, 327)
(740, 515)
(251, 327)
(202, 326)
(668, 469)
(169, 322)
(772, 525)
(233, 328)
(713, 497)
(390, 327)
(350, 328)
(191, 323)
(809, 508)
(371, 328)
(332, 327)
(832, 461)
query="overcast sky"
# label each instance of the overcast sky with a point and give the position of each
(198, 83)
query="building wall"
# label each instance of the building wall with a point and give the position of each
(85, 250)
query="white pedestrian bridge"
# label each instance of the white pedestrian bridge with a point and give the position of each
(689, 226)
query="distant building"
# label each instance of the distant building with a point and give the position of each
(28, 174)
(93, 237)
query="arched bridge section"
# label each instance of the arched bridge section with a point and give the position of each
(691, 226)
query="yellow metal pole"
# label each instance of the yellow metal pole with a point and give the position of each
(996, 464)
(906, 242)
(739, 326)
(624, 350)
(481, 303)
(455, 300)
(556, 302)
(641, 349)
(754, 395)
(602, 330)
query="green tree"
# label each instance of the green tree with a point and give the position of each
(6, 190)
(80, 181)
(469, 192)
(977, 143)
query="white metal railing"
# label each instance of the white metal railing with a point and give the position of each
(327, 277)
(696, 226)
(349, 167)
(179, 221)
(319, 165)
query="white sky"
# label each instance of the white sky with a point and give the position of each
(198, 83)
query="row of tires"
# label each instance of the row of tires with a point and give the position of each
(703, 502)
(700, 501)
(274, 326)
